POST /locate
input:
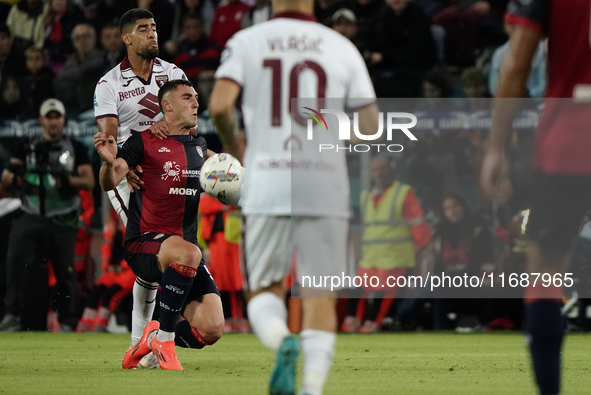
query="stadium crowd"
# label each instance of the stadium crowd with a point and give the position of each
(412, 48)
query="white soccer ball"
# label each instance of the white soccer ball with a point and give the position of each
(221, 176)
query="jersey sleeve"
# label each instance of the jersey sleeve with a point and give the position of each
(532, 14)
(133, 150)
(105, 100)
(233, 61)
(360, 92)
(177, 74)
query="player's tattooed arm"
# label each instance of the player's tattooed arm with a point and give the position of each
(113, 169)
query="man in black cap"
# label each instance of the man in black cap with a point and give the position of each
(48, 170)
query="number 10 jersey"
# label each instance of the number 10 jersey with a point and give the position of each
(293, 56)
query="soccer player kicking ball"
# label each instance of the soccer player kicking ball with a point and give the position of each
(160, 240)
(125, 102)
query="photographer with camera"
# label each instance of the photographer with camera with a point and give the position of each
(48, 170)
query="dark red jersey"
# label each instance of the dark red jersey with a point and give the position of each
(169, 199)
(564, 135)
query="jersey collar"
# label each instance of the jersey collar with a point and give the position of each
(127, 73)
(295, 15)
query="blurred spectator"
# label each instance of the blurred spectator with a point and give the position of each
(474, 83)
(393, 229)
(437, 84)
(75, 84)
(12, 100)
(431, 7)
(403, 51)
(61, 16)
(83, 263)
(49, 169)
(5, 6)
(469, 25)
(461, 244)
(113, 46)
(195, 52)
(261, 11)
(536, 83)
(227, 21)
(324, 9)
(344, 21)
(204, 8)
(104, 12)
(367, 13)
(11, 60)
(163, 12)
(37, 82)
(25, 22)
(221, 229)
(115, 282)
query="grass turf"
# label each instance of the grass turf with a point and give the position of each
(415, 363)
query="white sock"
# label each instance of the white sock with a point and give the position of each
(151, 337)
(144, 295)
(104, 312)
(164, 336)
(318, 347)
(268, 317)
(89, 313)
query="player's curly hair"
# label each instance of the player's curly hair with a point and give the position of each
(131, 16)
(170, 86)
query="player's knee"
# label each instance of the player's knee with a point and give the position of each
(190, 256)
(213, 331)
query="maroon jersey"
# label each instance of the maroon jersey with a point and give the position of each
(563, 137)
(169, 199)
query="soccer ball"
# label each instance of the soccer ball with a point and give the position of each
(221, 176)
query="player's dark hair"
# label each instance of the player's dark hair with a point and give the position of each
(131, 16)
(170, 86)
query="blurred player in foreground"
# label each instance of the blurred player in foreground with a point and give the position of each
(160, 239)
(562, 180)
(265, 65)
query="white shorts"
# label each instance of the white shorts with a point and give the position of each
(119, 198)
(318, 245)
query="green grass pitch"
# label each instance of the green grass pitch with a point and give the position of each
(409, 363)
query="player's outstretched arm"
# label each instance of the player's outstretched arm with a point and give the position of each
(221, 107)
(113, 169)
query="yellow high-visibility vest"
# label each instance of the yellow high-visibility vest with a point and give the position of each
(233, 227)
(387, 238)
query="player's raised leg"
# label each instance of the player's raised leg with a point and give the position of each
(178, 261)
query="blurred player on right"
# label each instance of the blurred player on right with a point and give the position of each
(562, 165)
(292, 56)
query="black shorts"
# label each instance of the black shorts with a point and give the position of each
(140, 255)
(558, 205)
